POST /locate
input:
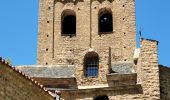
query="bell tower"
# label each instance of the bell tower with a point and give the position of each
(90, 34)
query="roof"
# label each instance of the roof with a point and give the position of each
(6, 64)
(123, 68)
(50, 71)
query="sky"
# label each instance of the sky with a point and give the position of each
(19, 28)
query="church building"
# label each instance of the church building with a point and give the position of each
(87, 51)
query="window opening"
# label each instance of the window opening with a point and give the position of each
(69, 25)
(105, 22)
(91, 65)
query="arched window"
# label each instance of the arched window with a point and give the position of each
(105, 21)
(102, 98)
(68, 23)
(91, 64)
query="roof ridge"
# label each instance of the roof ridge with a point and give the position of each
(3, 61)
(44, 66)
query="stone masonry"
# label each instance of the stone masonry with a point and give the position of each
(56, 49)
(164, 82)
(148, 87)
(14, 85)
(124, 71)
(148, 69)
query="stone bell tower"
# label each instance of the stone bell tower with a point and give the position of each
(87, 51)
(90, 34)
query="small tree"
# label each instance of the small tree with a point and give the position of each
(8, 61)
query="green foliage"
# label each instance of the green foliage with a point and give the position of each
(9, 61)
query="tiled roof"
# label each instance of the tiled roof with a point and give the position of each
(53, 71)
(6, 64)
(123, 68)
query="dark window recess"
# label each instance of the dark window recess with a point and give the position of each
(102, 98)
(69, 25)
(91, 65)
(106, 23)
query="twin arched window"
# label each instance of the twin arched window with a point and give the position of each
(68, 24)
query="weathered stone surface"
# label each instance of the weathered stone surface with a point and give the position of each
(138, 80)
(53, 48)
(164, 82)
(113, 93)
(115, 79)
(148, 69)
(147, 76)
(53, 84)
(14, 85)
(123, 68)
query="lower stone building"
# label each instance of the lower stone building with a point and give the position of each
(140, 79)
(15, 85)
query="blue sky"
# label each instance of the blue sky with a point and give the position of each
(19, 28)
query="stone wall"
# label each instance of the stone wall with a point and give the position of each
(164, 82)
(114, 93)
(53, 48)
(148, 84)
(15, 86)
(148, 70)
(56, 49)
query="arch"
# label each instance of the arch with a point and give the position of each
(68, 25)
(104, 97)
(91, 64)
(105, 20)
